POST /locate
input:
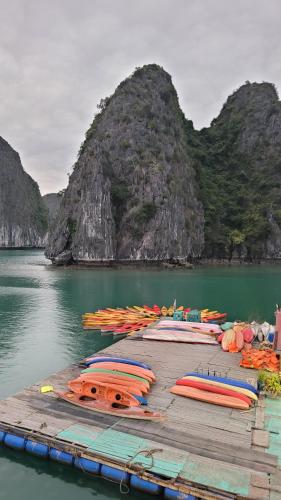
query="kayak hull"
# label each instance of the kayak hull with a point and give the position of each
(115, 372)
(127, 384)
(99, 359)
(240, 390)
(132, 370)
(208, 397)
(215, 389)
(225, 380)
(99, 390)
(107, 408)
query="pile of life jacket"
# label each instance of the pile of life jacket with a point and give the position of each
(261, 359)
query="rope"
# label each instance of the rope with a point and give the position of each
(138, 465)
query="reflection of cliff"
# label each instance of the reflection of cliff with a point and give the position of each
(80, 291)
(13, 308)
(29, 321)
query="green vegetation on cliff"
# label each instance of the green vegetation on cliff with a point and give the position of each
(147, 186)
(238, 164)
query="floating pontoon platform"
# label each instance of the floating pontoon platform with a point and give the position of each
(200, 449)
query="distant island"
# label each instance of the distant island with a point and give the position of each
(148, 187)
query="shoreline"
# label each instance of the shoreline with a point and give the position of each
(165, 265)
(153, 264)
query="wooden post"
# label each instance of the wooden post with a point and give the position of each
(277, 338)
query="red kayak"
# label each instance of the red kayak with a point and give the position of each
(213, 388)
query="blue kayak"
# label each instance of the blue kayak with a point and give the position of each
(224, 380)
(142, 400)
(117, 360)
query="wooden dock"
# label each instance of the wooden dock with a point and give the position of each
(206, 450)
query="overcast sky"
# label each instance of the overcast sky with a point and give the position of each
(58, 58)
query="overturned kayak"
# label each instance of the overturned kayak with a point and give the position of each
(114, 372)
(214, 388)
(108, 408)
(225, 380)
(128, 384)
(99, 390)
(209, 397)
(133, 370)
(178, 336)
(234, 388)
(189, 325)
(99, 359)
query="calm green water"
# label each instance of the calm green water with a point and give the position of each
(40, 332)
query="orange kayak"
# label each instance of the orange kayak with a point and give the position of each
(134, 388)
(209, 397)
(126, 368)
(99, 390)
(109, 408)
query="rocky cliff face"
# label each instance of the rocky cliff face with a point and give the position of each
(144, 173)
(239, 163)
(133, 193)
(23, 218)
(52, 204)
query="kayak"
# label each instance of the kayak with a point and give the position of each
(182, 325)
(109, 408)
(115, 372)
(214, 388)
(99, 359)
(240, 390)
(99, 390)
(176, 336)
(209, 397)
(123, 367)
(225, 380)
(131, 384)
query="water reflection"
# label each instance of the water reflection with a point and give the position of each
(51, 480)
(40, 333)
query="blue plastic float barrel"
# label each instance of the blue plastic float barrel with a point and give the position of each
(38, 449)
(115, 475)
(176, 495)
(61, 456)
(2, 435)
(15, 442)
(146, 486)
(86, 465)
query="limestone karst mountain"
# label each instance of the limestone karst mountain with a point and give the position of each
(133, 193)
(23, 217)
(148, 187)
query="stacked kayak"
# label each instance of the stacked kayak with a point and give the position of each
(115, 386)
(222, 391)
(127, 321)
(119, 321)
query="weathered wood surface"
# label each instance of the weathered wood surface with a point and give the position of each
(206, 431)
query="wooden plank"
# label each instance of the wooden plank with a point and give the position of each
(217, 474)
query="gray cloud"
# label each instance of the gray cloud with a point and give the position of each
(59, 58)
